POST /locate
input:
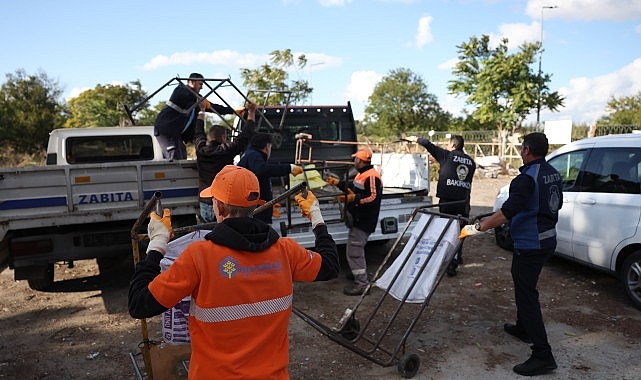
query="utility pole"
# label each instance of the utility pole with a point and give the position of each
(538, 100)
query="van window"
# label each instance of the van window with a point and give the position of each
(98, 149)
(569, 165)
(612, 170)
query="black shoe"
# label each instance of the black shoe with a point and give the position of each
(535, 366)
(517, 332)
(349, 276)
(354, 290)
(451, 270)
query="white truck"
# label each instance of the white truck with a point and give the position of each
(84, 202)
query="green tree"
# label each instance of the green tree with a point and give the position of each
(269, 84)
(623, 111)
(30, 108)
(103, 105)
(503, 88)
(400, 103)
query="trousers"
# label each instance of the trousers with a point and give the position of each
(355, 251)
(526, 268)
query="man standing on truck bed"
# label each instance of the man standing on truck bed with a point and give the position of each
(214, 152)
(240, 279)
(455, 174)
(363, 204)
(175, 122)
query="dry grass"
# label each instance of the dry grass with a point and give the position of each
(11, 159)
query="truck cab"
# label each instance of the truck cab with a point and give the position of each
(73, 146)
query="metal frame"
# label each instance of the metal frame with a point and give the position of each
(369, 340)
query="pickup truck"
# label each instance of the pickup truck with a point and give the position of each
(84, 202)
(322, 139)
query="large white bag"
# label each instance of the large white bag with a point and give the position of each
(441, 257)
(175, 321)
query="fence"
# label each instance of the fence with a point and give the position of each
(507, 148)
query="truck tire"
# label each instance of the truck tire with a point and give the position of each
(43, 283)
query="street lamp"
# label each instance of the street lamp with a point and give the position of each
(538, 101)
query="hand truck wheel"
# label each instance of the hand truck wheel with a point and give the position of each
(408, 365)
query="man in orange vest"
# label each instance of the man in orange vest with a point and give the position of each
(240, 279)
(363, 203)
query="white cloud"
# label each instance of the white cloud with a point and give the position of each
(359, 89)
(448, 65)
(585, 9)
(333, 3)
(77, 91)
(361, 85)
(74, 92)
(586, 98)
(234, 59)
(424, 33)
(516, 34)
(227, 58)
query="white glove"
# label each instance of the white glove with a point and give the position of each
(470, 230)
(159, 232)
(310, 208)
(412, 138)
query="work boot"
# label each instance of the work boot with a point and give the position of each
(517, 331)
(354, 289)
(451, 269)
(535, 366)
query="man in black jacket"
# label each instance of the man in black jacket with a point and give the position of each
(175, 122)
(256, 159)
(213, 152)
(455, 174)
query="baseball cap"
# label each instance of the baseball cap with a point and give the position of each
(236, 186)
(364, 154)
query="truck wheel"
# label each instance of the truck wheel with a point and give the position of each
(631, 278)
(43, 283)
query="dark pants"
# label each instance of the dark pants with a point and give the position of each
(526, 268)
(172, 147)
(460, 208)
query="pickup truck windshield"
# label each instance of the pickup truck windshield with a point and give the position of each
(97, 149)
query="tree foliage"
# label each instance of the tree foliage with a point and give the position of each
(503, 88)
(103, 105)
(269, 84)
(30, 108)
(400, 103)
(623, 111)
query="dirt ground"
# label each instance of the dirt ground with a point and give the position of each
(81, 329)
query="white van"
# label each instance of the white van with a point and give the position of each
(599, 222)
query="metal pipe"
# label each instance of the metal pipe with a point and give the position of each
(302, 187)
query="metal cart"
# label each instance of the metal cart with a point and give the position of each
(407, 285)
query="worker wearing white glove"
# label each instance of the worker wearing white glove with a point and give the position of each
(470, 230)
(310, 208)
(159, 231)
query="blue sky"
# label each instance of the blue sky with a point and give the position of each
(592, 47)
